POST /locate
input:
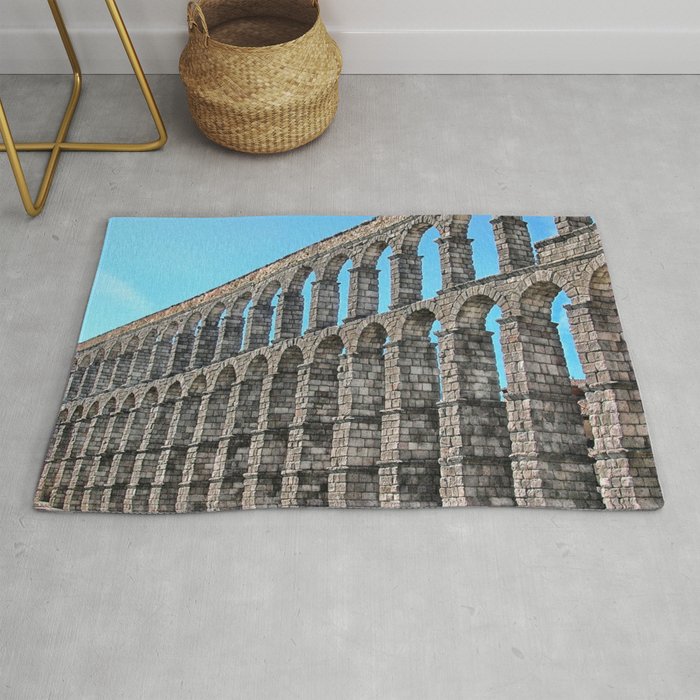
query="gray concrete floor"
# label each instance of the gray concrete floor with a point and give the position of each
(481, 603)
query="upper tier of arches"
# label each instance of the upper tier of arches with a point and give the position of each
(270, 308)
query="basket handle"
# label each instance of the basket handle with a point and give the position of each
(197, 20)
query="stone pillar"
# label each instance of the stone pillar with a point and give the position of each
(171, 462)
(621, 449)
(406, 279)
(325, 303)
(231, 460)
(513, 243)
(569, 224)
(474, 438)
(88, 384)
(101, 467)
(199, 462)
(161, 358)
(124, 459)
(305, 478)
(62, 436)
(290, 312)
(409, 472)
(227, 481)
(104, 376)
(364, 292)
(182, 355)
(65, 472)
(354, 480)
(268, 447)
(122, 369)
(229, 338)
(141, 365)
(58, 447)
(84, 466)
(551, 466)
(76, 379)
(205, 343)
(456, 261)
(146, 463)
(182, 440)
(257, 332)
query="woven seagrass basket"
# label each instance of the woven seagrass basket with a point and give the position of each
(261, 75)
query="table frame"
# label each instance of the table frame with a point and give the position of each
(59, 144)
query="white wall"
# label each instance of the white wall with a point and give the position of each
(394, 36)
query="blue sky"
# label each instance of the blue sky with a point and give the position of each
(148, 264)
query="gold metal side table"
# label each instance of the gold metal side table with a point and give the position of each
(59, 145)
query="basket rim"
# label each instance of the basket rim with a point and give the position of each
(194, 29)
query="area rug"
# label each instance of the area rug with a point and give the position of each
(345, 362)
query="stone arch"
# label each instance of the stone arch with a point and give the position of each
(80, 424)
(605, 336)
(140, 418)
(77, 375)
(535, 303)
(122, 369)
(538, 289)
(77, 414)
(189, 412)
(78, 444)
(550, 460)
(259, 324)
(218, 405)
(354, 478)
(115, 435)
(241, 422)
(164, 351)
(157, 434)
(167, 447)
(416, 268)
(409, 470)
(290, 314)
(247, 406)
(364, 297)
(201, 456)
(472, 309)
(94, 447)
(325, 296)
(584, 279)
(618, 429)
(207, 338)
(185, 343)
(91, 374)
(141, 365)
(129, 402)
(268, 449)
(85, 467)
(135, 438)
(410, 238)
(104, 381)
(310, 440)
(231, 326)
(475, 463)
(370, 252)
(213, 445)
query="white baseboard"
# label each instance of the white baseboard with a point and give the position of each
(519, 52)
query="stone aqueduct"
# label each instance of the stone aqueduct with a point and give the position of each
(193, 408)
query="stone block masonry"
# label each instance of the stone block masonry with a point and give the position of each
(193, 408)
